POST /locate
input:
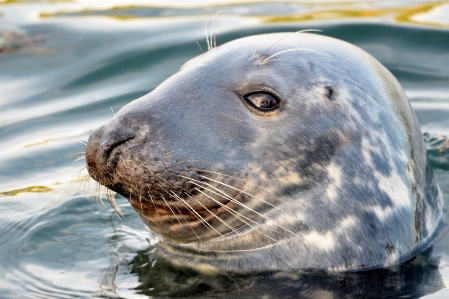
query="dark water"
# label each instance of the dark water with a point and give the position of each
(61, 73)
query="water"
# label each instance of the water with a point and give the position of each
(68, 66)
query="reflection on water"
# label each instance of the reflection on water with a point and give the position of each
(65, 65)
(278, 11)
(415, 278)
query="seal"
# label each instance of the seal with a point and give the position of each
(276, 152)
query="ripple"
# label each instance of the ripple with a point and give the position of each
(56, 242)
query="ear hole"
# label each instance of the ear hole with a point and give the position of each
(329, 93)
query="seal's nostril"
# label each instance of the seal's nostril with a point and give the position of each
(111, 145)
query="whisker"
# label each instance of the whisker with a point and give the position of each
(79, 158)
(300, 31)
(223, 205)
(177, 197)
(188, 223)
(198, 216)
(81, 142)
(285, 51)
(199, 46)
(84, 182)
(113, 203)
(277, 59)
(254, 54)
(222, 221)
(207, 36)
(97, 194)
(250, 209)
(195, 212)
(174, 214)
(154, 204)
(237, 189)
(226, 196)
(239, 203)
(223, 194)
(246, 181)
(213, 26)
(78, 172)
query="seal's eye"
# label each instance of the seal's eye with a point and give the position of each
(262, 101)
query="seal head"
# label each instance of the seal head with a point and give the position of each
(275, 152)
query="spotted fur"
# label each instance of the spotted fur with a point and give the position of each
(336, 178)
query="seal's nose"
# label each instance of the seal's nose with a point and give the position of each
(100, 147)
(93, 152)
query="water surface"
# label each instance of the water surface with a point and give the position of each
(65, 68)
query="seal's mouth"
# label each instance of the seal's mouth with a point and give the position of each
(166, 213)
(200, 216)
(203, 206)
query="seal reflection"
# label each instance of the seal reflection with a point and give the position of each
(412, 279)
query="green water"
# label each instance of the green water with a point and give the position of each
(65, 68)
